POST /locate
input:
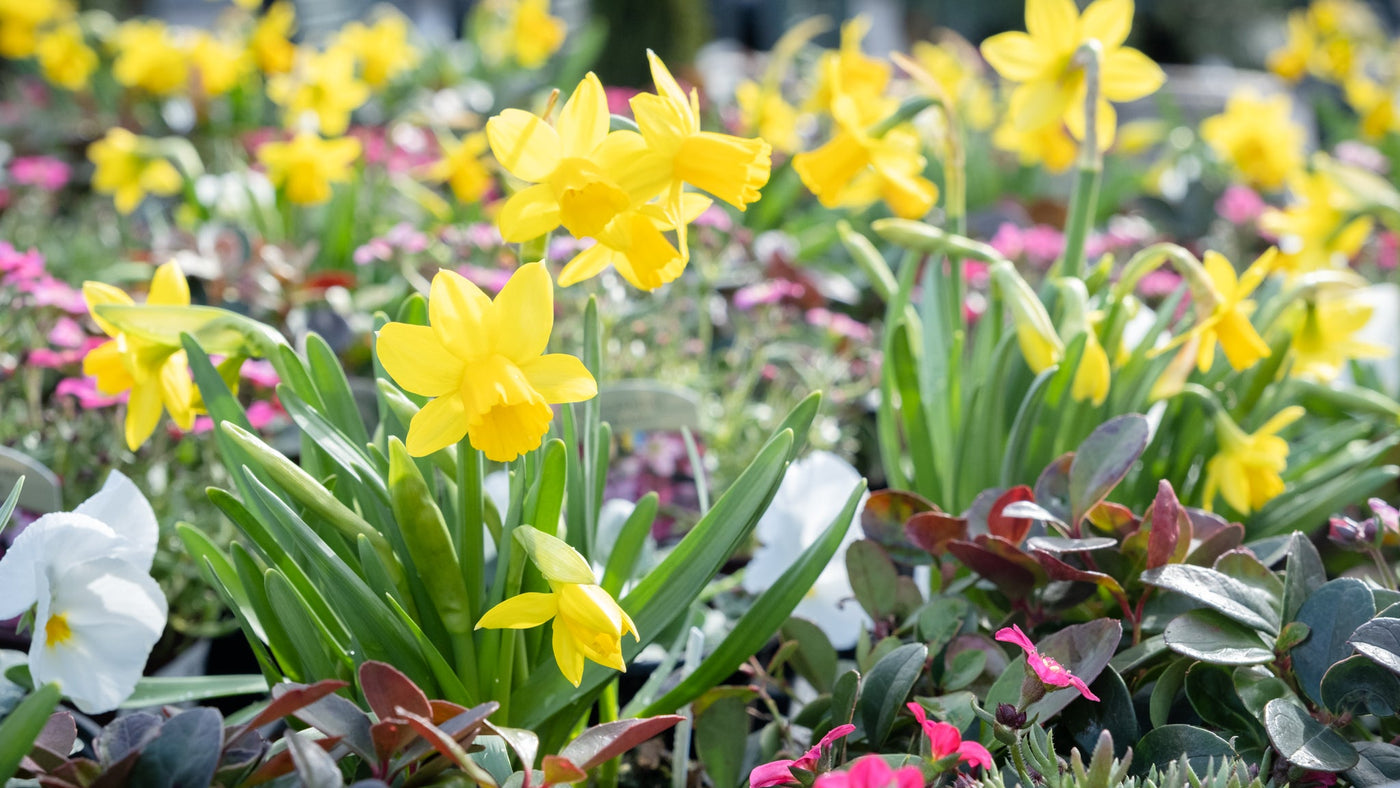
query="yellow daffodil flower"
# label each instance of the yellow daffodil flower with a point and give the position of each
(954, 64)
(1290, 61)
(767, 114)
(149, 58)
(64, 56)
(484, 365)
(220, 64)
(383, 49)
(462, 169)
(577, 167)
(1035, 333)
(158, 376)
(1223, 308)
(1375, 104)
(128, 167)
(854, 169)
(1049, 146)
(636, 246)
(730, 168)
(271, 40)
(588, 622)
(21, 22)
(1258, 138)
(1325, 339)
(324, 85)
(850, 72)
(306, 166)
(1246, 468)
(1051, 86)
(1092, 377)
(534, 34)
(1323, 228)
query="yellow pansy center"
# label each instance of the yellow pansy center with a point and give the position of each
(56, 631)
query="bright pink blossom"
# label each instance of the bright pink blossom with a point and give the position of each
(260, 372)
(872, 772)
(945, 739)
(85, 391)
(1388, 253)
(1240, 205)
(1051, 673)
(780, 772)
(46, 172)
(66, 332)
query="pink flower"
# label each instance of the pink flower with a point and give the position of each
(47, 291)
(1239, 205)
(620, 100)
(1043, 244)
(489, 279)
(872, 772)
(839, 324)
(260, 372)
(1388, 253)
(1051, 673)
(716, 217)
(85, 390)
(768, 292)
(373, 249)
(262, 414)
(780, 772)
(945, 740)
(47, 173)
(1007, 240)
(1159, 284)
(67, 333)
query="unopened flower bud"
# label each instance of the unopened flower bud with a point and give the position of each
(1010, 716)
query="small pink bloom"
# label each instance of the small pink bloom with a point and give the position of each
(976, 273)
(202, 425)
(262, 414)
(373, 249)
(85, 391)
(1388, 252)
(45, 358)
(768, 292)
(1007, 240)
(839, 324)
(66, 332)
(780, 772)
(1159, 284)
(492, 280)
(46, 172)
(619, 101)
(1051, 673)
(872, 772)
(260, 372)
(1240, 204)
(945, 739)
(716, 217)
(406, 238)
(1043, 244)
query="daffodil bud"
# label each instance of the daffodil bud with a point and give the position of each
(1034, 332)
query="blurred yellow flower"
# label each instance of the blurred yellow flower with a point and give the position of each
(577, 167)
(462, 168)
(158, 376)
(636, 246)
(484, 364)
(730, 168)
(305, 167)
(21, 21)
(1290, 61)
(1092, 377)
(849, 71)
(768, 115)
(954, 64)
(854, 168)
(1258, 138)
(383, 49)
(1328, 40)
(1246, 469)
(534, 34)
(149, 58)
(1050, 146)
(64, 56)
(271, 40)
(1051, 86)
(1325, 339)
(1323, 227)
(219, 64)
(1035, 332)
(588, 622)
(1375, 104)
(1223, 308)
(129, 167)
(324, 85)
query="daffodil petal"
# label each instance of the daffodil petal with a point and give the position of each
(1015, 56)
(459, 312)
(560, 377)
(666, 85)
(523, 611)
(587, 264)
(1281, 419)
(168, 286)
(528, 214)
(583, 123)
(1109, 21)
(142, 413)
(104, 363)
(1035, 106)
(556, 560)
(524, 313)
(417, 361)
(98, 293)
(177, 390)
(1054, 22)
(1221, 272)
(524, 144)
(1128, 75)
(567, 654)
(441, 423)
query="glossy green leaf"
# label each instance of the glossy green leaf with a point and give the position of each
(1332, 613)
(1165, 691)
(1304, 741)
(815, 659)
(1303, 574)
(1083, 720)
(887, 687)
(1103, 459)
(1257, 685)
(1164, 745)
(1211, 691)
(1379, 639)
(1219, 592)
(622, 561)
(1358, 685)
(338, 400)
(720, 732)
(1378, 763)
(873, 578)
(1211, 637)
(168, 691)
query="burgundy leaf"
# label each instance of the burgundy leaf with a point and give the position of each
(1059, 570)
(883, 518)
(1013, 578)
(604, 742)
(448, 747)
(1012, 529)
(444, 710)
(1052, 488)
(282, 763)
(932, 531)
(58, 734)
(1212, 537)
(558, 769)
(387, 689)
(1113, 518)
(286, 699)
(390, 735)
(1167, 521)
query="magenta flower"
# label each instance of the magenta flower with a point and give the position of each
(945, 739)
(780, 772)
(67, 333)
(260, 372)
(1051, 673)
(872, 772)
(46, 172)
(1240, 205)
(85, 391)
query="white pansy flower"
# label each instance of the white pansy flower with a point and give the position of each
(98, 613)
(812, 493)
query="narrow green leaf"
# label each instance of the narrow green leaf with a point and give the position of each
(164, 691)
(19, 730)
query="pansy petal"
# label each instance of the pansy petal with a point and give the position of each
(441, 423)
(168, 286)
(522, 611)
(583, 123)
(1129, 75)
(524, 144)
(523, 313)
(121, 506)
(417, 361)
(560, 377)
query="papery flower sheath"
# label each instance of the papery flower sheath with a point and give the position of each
(98, 613)
(484, 365)
(588, 622)
(1051, 674)
(157, 375)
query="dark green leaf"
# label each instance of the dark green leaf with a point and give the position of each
(963, 668)
(873, 578)
(1303, 574)
(887, 688)
(184, 754)
(1379, 639)
(1332, 613)
(1218, 591)
(1084, 719)
(1209, 636)
(1165, 745)
(1103, 459)
(815, 659)
(1256, 686)
(1211, 691)
(1304, 741)
(1165, 691)
(1378, 763)
(720, 733)
(1356, 684)
(19, 730)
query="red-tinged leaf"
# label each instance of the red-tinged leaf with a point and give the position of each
(558, 769)
(883, 519)
(389, 736)
(58, 734)
(282, 763)
(41, 760)
(1012, 529)
(288, 699)
(469, 721)
(1059, 570)
(1052, 488)
(932, 531)
(525, 743)
(1103, 460)
(1014, 579)
(605, 742)
(444, 744)
(1213, 537)
(1165, 532)
(387, 689)
(444, 710)
(1113, 518)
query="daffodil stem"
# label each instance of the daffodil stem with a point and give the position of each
(1084, 199)
(955, 201)
(470, 518)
